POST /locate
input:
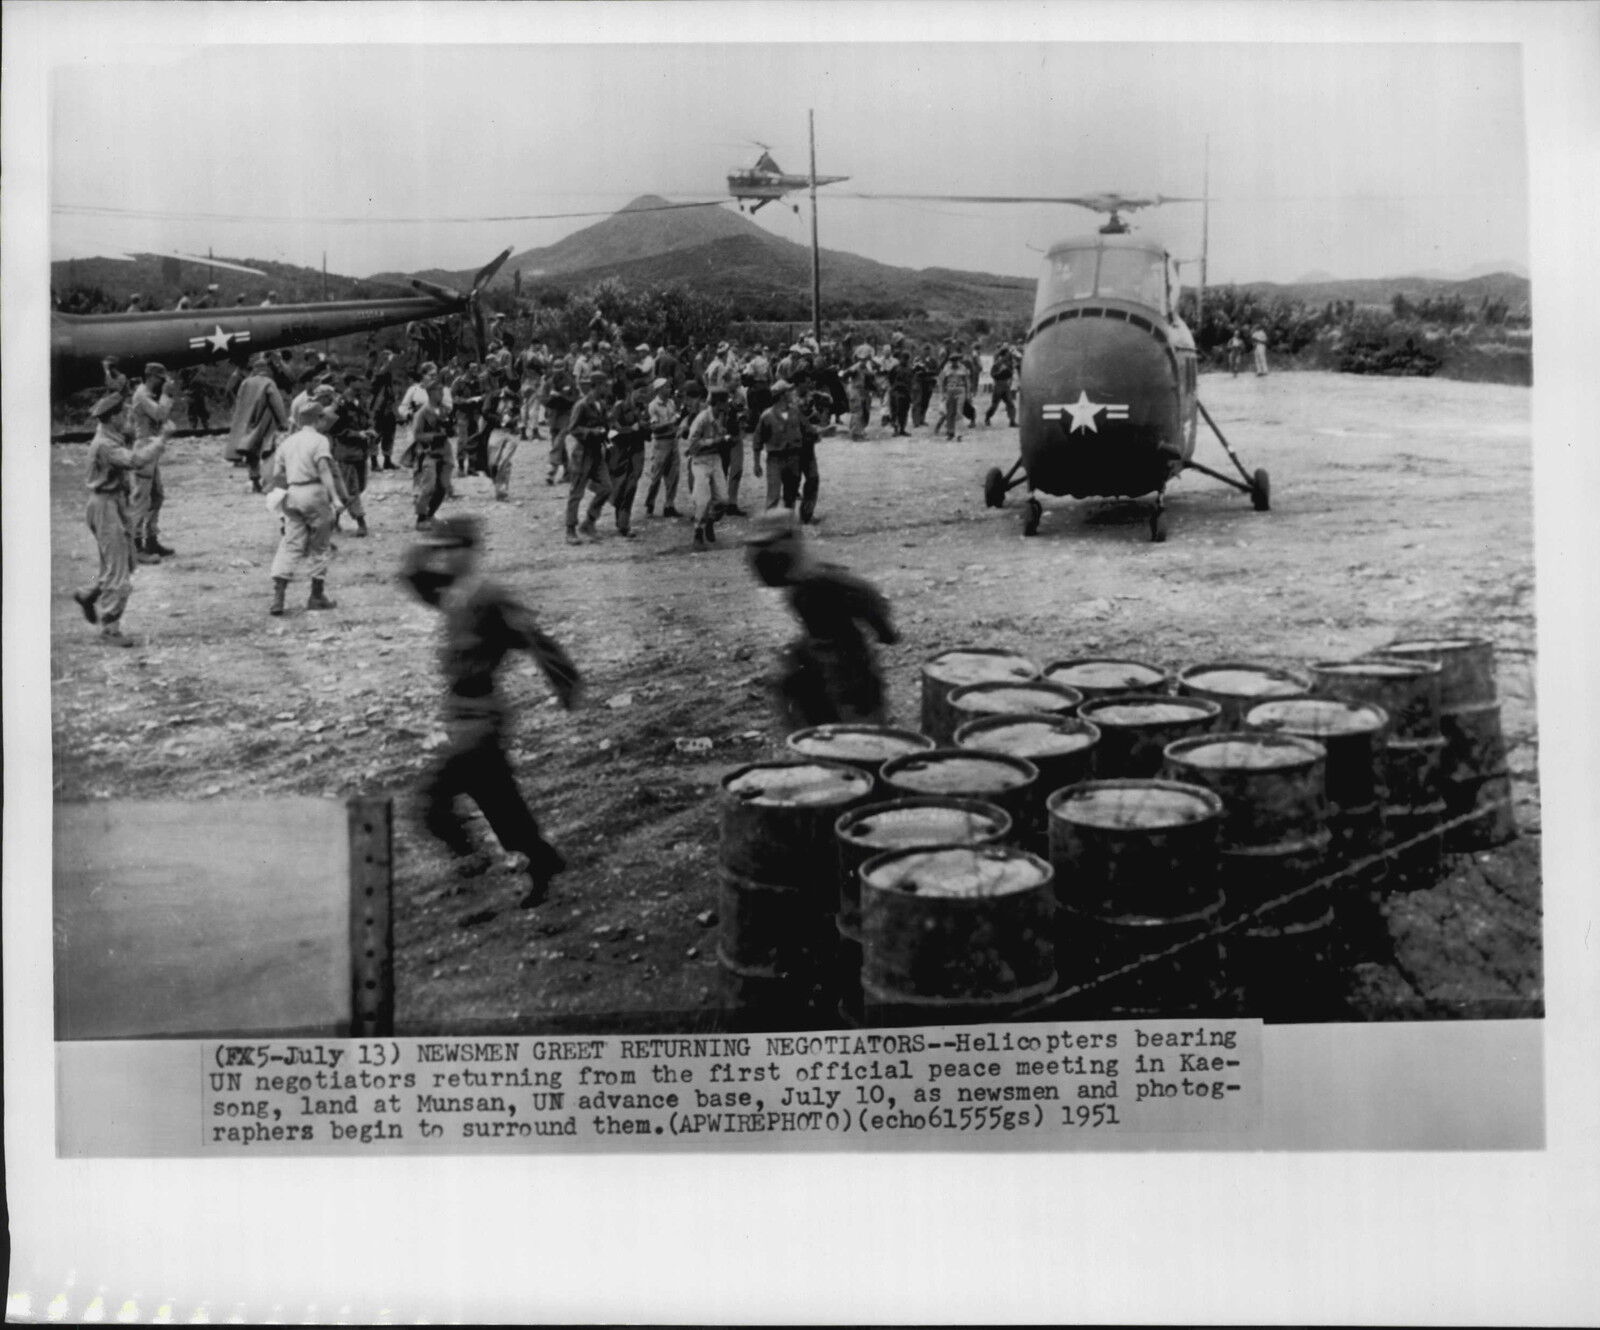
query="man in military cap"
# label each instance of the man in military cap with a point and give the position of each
(661, 413)
(151, 413)
(429, 453)
(482, 624)
(588, 428)
(305, 469)
(111, 463)
(629, 429)
(259, 416)
(780, 434)
(829, 674)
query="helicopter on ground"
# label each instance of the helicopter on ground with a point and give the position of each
(1109, 402)
(80, 344)
(766, 181)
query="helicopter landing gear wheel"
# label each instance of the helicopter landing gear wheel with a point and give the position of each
(1261, 491)
(994, 489)
(1035, 511)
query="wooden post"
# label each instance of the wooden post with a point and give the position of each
(371, 918)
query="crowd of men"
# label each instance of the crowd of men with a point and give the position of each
(610, 422)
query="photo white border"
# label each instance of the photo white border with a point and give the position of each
(1472, 1238)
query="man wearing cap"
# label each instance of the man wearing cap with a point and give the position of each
(953, 388)
(428, 453)
(482, 623)
(383, 411)
(208, 298)
(534, 363)
(630, 428)
(780, 435)
(345, 426)
(703, 448)
(305, 468)
(588, 429)
(858, 386)
(151, 413)
(259, 416)
(661, 414)
(1001, 371)
(504, 437)
(829, 674)
(111, 463)
(559, 400)
(467, 392)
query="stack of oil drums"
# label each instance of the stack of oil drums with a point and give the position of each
(1098, 838)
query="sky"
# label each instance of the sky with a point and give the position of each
(290, 139)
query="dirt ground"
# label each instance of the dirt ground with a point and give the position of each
(1400, 506)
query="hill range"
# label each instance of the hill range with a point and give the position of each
(718, 251)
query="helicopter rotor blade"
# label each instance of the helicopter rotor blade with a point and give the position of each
(487, 272)
(435, 290)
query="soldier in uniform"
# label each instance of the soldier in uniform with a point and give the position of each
(384, 417)
(780, 435)
(503, 440)
(662, 414)
(346, 429)
(482, 623)
(305, 468)
(152, 418)
(953, 385)
(111, 461)
(829, 675)
(588, 428)
(562, 394)
(625, 452)
(428, 454)
(259, 416)
(1001, 371)
(703, 449)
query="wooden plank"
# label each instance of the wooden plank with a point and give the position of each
(211, 918)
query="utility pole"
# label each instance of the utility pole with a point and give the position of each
(816, 254)
(1205, 237)
(325, 346)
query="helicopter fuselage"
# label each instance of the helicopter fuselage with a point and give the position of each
(1108, 404)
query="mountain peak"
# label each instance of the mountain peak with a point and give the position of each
(645, 203)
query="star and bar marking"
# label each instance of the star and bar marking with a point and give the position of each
(218, 339)
(1083, 412)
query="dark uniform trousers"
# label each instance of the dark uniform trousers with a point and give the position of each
(475, 766)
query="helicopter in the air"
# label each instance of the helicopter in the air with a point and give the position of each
(1109, 402)
(80, 344)
(766, 181)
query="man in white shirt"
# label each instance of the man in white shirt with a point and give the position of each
(305, 469)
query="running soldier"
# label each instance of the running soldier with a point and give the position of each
(829, 675)
(482, 623)
(111, 462)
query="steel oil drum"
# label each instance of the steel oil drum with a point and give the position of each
(1060, 747)
(956, 668)
(964, 773)
(1353, 736)
(777, 883)
(1135, 731)
(1135, 864)
(1236, 686)
(955, 933)
(1274, 840)
(1135, 847)
(1476, 779)
(1097, 676)
(898, 824)
(1414, 811)
(974, 701)
(1291, 971)
(865, 747)
(1407, 690)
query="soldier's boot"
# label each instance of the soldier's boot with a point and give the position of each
(86, 600)
(156, 547)
(142, 552)
(280, 587)
(111, 634)
(699, 537)
(543, 865)
(361, 526)
(572, 536)
(587, 528)
(318, 600)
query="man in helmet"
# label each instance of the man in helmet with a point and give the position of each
(483, 622)
(829, 674)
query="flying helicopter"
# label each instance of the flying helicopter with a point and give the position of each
(1109, 402)
(81, 343)
(767, 181)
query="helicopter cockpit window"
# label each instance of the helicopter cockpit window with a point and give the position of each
(1134, 274)
(1068, 275)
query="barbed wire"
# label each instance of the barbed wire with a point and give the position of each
(1048, 1005)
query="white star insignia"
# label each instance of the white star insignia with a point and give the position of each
(1083, 412)
(218, 339)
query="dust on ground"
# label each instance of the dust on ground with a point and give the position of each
(1399, 506)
